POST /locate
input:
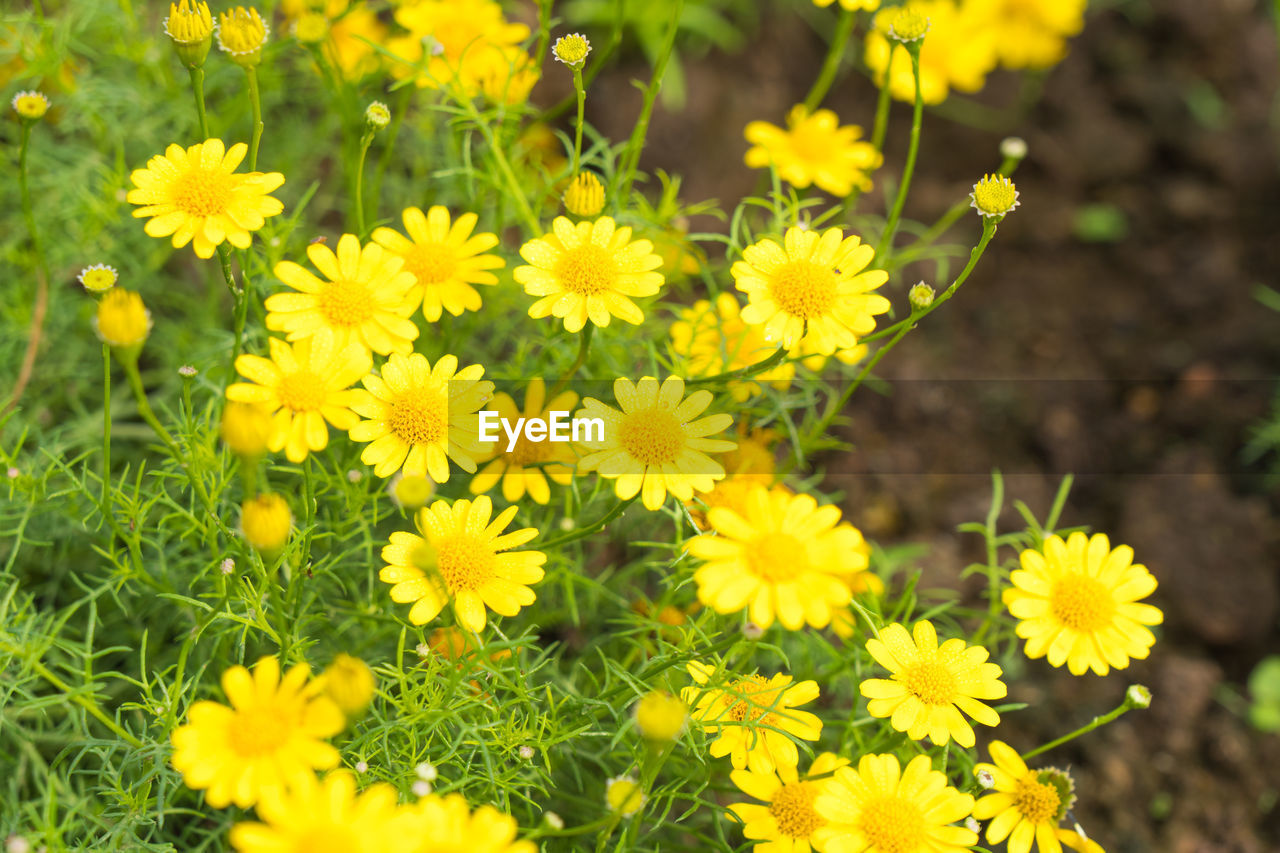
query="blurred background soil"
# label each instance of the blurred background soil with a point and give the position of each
(1138, 361)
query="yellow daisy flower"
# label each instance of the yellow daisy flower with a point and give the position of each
(271, 736)
(814, 149)
(813, 288)
(783, 557)
(789, 823)
(1025, 806)
(747, 466)
(302, 386)
(752, 717)
(588, 271)
(457, 33)
(350, 683)
(851, 5)
(528, 466)
(445, 260)
(464, 557)
(326, 817)
(653, 445)
(714, 341)
(957, 53)
(366, 298)
(1078, 602)
(891, 809)
(196, 195)
(444, 824)
(1031, 33)
(932, 684)
(420, 416)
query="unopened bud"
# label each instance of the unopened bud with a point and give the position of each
(920, 296)
(1137, 696)
(1013, 148)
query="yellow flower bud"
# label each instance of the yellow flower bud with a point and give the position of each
(920, 296)
(245, 429)
(266, 521)
(994, 195)
(377, 115)
(98, 278)
(241, 34)
(350, 683)
(908, 25)
(123, 322)
(190, 26)
(585, 195)
(30, 105)
(410, 491)
(311, 28)
(623, 795)
(660, 716)
(572, 49)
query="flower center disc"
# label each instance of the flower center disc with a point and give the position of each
(1038, 802)
(792, 808)
(258, 731)
(202, 192)
(892, 825)
(464, 562)
(930, 682)
(776, 557)
(804, 289)
(420, 417)
(345, 303)
(587, 271)
(527, 452)
(431, 263)
(1081, 603)
(329, 839)
(652, 436)
(302, 391)
(811, 144)
(746, 697)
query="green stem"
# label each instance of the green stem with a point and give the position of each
(913, 147)
(1096, 722)
(255, 103)
(581, 92)
(41, 305)
(831, 65)
(881, 127)
(584, 344)
(514, 186)
(636, 143)
(197, 86)
(365, 141)
(402, 107)
(106, 424)
(743, 372)
(583, 532)
(993, 567)
(308, 513)
(85, 702)
(544, 32)
(899, 331)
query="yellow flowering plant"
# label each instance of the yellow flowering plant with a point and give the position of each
(397, 540)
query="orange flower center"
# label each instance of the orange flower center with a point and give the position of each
(259, 731)
(930, 682)
(1039, 802)
(465, 562)
(431, 263)
(202, 192)
(345, 303)
(328, 839)
(420, 416)
(527, 452)
(652, 436)
(812, 143)
(892, 825)
(587, 271)
(303, 391)
(750, 699)
(777, 557)
(804, 289)
(792, 808)
(1081, 603)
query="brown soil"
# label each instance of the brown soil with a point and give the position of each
(1139, 365)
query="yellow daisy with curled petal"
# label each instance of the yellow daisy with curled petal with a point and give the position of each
(887, 808)
(589, 271)
(327, 816)
(814, 288)
(789, 823)
(196, 195)
(270, 737)
(303, 386)
(527, 467)
(1025, 806)
(754, 718)
(462, 556)
(444, 259)
(1078, 602)
(814, 149)
(365, 297)
(447, 824)
(783, 557)
(654, 445)
(932, 684)
(420, 416)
